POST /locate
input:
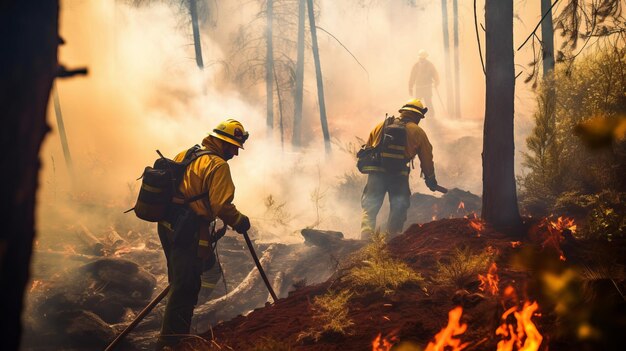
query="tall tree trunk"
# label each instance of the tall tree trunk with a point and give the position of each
(298, 93)
(28, 66)
(547, 37)
(446, 54)
(193, 9)
(457, 78)
(269, 69)
(318, 74)
(499, 193)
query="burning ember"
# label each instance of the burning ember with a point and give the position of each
(477, 225)
(381, 343)
(551, 233)
(489, 282)
(445, 339)
(563, 223)
(525, 337)
(515, 244)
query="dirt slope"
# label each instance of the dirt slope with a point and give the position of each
(415, 313)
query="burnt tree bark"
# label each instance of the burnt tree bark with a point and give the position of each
(446, 55)
(547, 38)
(193, 11)
(298, 93)
(318, 74)
(269, 68)
(457, 71)
(499, 192)
(28, 67)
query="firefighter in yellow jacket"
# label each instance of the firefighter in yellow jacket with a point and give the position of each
(381, 180)
(185, 233)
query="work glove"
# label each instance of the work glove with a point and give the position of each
(431, 182)
(243, 225)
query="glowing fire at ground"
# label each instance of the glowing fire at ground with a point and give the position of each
(477, 225)
(446, 338)
(489, 282)
(381, 343)
(551, 232)
(517, 330)
(525, 337)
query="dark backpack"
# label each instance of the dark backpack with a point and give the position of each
(393, 146)
(159, 185)
(388, 155)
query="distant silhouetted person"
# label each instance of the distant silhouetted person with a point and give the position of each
(423, 77)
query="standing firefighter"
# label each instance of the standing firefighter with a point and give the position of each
(385, 158)
(186, 233)
(423, 77)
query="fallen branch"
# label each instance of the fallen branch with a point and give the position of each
(240, 293)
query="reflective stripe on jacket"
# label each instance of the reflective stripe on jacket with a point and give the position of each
(417, 144)
(212, 173)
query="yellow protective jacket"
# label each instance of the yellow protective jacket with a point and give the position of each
(416, 144)
(210, 173)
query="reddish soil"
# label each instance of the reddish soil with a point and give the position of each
(416, 313)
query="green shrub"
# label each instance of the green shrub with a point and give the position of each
(375, 269)
(462, 267)
(330, 314)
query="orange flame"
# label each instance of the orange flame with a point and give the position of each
(461, 205)
(489, 282)
(477, 225)
(444, 340)
(553, 234)
(525, 337)
(563, 223)
(515, 244)
(381, 343)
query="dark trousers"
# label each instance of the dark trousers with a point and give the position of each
(379, 184)
(183, 272)
(179, 235)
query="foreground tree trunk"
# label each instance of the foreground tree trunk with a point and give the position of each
(28, 66)
(499, 192)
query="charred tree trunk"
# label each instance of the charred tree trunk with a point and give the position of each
(318, 74)
(269, 69)
(457, 78)
(193, 10)
(446, 54)
(547, 38)
(297, 114)
(499, 193)
(28, 66)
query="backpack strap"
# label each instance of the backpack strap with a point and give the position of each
(192, 155)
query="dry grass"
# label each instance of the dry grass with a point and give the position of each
(462, 267)
(376, 269)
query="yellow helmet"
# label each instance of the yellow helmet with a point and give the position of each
(414, 105)
(231, 131)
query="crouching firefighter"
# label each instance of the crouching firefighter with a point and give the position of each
(391, 146)
(206, 191)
